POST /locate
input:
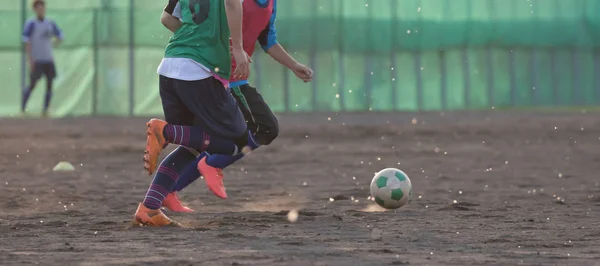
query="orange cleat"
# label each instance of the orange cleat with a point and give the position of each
(173, 203)
(145, 216)
(213, 177)
(155, 143)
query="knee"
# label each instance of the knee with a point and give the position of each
(49, 84)
(192, 151)
(241, 141)
(266, 135)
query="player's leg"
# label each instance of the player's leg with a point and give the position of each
(168, 171)
(50, 73)
(166, 177)
(219, 114)
(221, 131)
(260, 119)
(267, 125)
(34, 77)
(170, 168)
(211, 134)
(190, 174)
(182, 157)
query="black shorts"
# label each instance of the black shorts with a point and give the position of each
(43, 69)
(205, 103)
(260, 118)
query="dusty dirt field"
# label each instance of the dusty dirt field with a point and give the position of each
(489, 188)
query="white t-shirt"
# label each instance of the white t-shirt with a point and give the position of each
(183, 69)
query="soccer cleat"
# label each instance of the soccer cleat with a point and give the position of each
(213, 177)
(155, 143)
(173, 203)
(145, 216)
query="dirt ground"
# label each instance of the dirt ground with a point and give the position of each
(492, 188)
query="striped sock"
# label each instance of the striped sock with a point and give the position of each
(197, 138)
(155, 196)
(166, 176)
(180, 135)
(189, 174)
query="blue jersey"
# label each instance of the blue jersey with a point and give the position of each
(39, 33)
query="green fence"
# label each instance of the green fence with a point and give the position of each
(380, 55)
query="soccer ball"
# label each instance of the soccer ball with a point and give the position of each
(391, 188)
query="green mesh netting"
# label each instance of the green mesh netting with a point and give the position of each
(367, 54)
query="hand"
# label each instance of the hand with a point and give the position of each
(242, 63)
(303, 72)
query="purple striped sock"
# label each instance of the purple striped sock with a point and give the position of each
(170, 172)
(197, 138)
(179, 135)
(155, 196)
(166, 176)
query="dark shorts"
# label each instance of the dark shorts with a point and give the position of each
(43, 69)
(205, 103)
(260, 118)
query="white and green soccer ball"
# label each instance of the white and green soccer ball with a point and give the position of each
(391, 188)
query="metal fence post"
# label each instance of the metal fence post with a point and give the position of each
(95, 61)
(596, 77)
(578, 97)
(418, 64)
(466, 65)
(512, 70)
(368, 82)
(313, 58)
(490, 65)
(23, 57)
(443, 70)
(131, 57)
(393, 54)
(533, 94)
(340, 66)
(553, 63)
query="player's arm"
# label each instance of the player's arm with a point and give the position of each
(57, 33)
(171, 16)
(268, 41)
(234, 11)
(27, 32)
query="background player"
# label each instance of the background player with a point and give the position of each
(258, 25)
(38, 35)
(200, 112)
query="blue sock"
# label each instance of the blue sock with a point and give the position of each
(47, 100)
(222, 161)
(189, 174)
(25, 98)
(166, 176)
(197, 138)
